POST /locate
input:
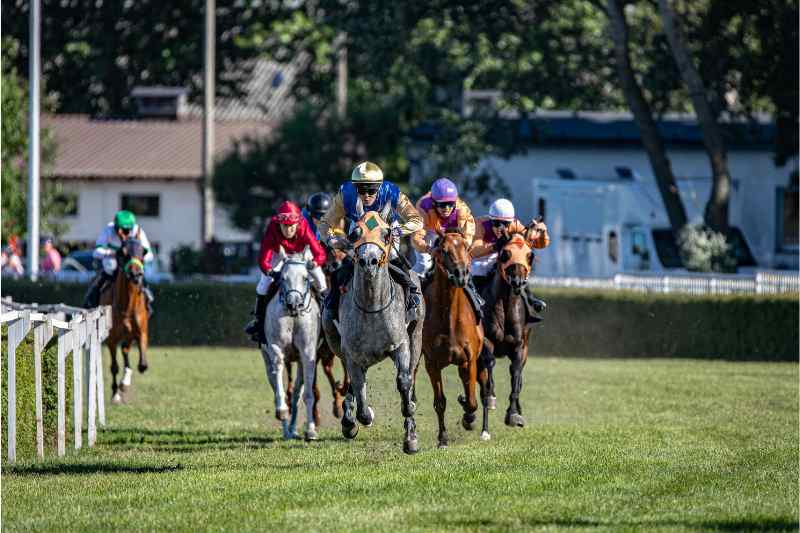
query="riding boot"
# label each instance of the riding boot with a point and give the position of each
(533, 305)
(93, 293)
(413, 294)
(149, 298)
(339, 279)
(475, 299)
(255, 328)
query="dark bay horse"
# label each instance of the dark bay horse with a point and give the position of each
(451, 335)
(129, 314)
(325, 356)
(504, 326)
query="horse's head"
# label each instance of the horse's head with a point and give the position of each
(334, 258)
(295, 289)
(131, 257)
(372, 241)
(515, 262)
(452, 256)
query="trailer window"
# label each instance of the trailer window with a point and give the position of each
(788, 234)
(667, 249)
(613, 246)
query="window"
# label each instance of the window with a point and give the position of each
(68, 201)
(788, 236)
(667, 249)
(542, 208)
(142, 205)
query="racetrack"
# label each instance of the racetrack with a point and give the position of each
(610, 444)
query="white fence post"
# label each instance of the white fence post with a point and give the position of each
(16, 332)
(102, 333)
(91, 338)
(41, 336)
(77, 386)
(64, 341)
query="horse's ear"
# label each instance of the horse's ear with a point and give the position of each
(505, 255)
(355, 234)
(281, 252)
(436, 243)
(307, 255)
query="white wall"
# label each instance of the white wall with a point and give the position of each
(754, 170)
(180, 212)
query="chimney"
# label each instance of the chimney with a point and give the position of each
(166, 103)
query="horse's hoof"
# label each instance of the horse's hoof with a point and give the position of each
(337, 410)
(411, 446)
(349, 431)
(468, 421)
(143, 368)
(485, 436)
(491, 403)
(442, 445)
(282, 414)
(515, 420)
(116, 399)
(366, 421)
(311, 434)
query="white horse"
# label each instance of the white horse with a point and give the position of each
(292, 328)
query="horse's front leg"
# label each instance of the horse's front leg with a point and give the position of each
(484, 367)
(402, 361)
(127, 373)
(274, 361)
(293, 399)
(349, 425)
(308, 361)
(327, 358)
(142, 343)
(364, 413)
(514, 413)
(468, 375)
(116, 397)
(439, 400)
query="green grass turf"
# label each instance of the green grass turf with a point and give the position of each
(610, 444)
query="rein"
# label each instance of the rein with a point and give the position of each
(304, 296)
(384, 308)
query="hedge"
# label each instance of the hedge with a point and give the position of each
(577, 322)
(26, 398)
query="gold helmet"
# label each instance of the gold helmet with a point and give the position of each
(367, 172)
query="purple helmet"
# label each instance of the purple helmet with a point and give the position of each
(444, 190)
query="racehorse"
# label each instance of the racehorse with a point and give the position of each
(292, 328)
(128, 315)
(372, 326)
(504, 326)
(452, 335)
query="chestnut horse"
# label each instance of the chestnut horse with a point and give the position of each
(452, 335)
(504, 326)
(129, 314)
(325, 356)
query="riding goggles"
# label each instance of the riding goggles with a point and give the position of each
(444, 205)
(501, 223)
(368, 188)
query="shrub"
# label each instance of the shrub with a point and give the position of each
(705, 250)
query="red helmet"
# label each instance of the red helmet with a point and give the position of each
(288, 214)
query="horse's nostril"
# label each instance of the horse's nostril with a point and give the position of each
(362, 262)
(373, 261)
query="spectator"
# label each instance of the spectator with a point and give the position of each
(52, 259)
(12, 263)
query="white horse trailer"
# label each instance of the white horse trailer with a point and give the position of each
(600, 227)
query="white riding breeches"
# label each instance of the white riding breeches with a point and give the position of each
(483, 265)
(317, 280)
(109, 265)
(423, 260)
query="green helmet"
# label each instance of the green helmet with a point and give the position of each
(124, 220)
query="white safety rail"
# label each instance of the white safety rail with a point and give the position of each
(690, 283)
(82, 335)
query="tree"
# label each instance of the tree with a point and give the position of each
(53, 205)
(651, 139)
(717, 207)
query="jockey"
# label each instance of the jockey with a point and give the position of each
(316, 207)
(442, 209)
(367, 191)
(289, 229)
(123, 227)
(492, 233)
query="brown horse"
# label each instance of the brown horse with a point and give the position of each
(452, 335)
(504, 326)
(325, 356)
(129, 314)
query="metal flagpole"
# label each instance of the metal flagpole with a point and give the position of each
(33, 141)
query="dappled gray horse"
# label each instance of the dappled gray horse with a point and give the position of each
(373, 326)
(292, 327)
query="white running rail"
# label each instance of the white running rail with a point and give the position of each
(82, 335)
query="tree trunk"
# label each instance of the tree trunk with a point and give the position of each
(716, 214)
(651, 139)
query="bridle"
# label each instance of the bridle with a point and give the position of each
(305, 296)
(443, 261)
(372, 230)
(518, 250)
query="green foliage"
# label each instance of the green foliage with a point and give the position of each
(53, 206)
(96, 52)
(26, 397)
(185, 261)
(577, 322)
(611, 445)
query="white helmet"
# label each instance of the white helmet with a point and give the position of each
(501, 209)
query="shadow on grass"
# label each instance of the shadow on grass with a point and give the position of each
(87, 468)
(766, 524)
(181, 441)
